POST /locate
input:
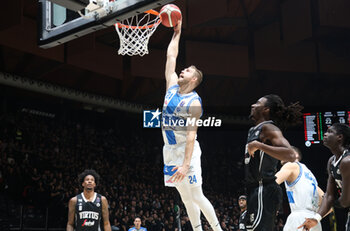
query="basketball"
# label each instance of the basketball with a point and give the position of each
(170, 14)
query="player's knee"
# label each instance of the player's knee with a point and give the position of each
(186, 198)
(199, 199)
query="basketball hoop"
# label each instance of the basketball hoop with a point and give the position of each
(134, 33)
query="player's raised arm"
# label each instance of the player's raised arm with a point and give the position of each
(172, 52)
(71, 213)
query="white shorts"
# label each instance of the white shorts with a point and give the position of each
(296, 218)
(173, 155)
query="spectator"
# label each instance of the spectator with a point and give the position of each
(137, 225)
(55, 149)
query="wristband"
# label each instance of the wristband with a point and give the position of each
(317, 217)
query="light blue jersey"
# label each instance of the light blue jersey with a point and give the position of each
(303, 200)
(302, 193)
(175, 115)
(134, 229)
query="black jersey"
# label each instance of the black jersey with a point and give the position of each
(88, 213)
(242, 221)
(261, 167)
(334, 168)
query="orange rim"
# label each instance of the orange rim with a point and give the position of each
(120, 25)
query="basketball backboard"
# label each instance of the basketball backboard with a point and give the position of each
(58, 24)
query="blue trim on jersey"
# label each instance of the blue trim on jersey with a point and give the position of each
(290, 197)
(170, 135)
(299, 176)
(311, 177)
(200, 100)
(172, 104)
(169, 110)
(167, 170)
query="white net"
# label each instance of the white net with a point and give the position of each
(134, 33)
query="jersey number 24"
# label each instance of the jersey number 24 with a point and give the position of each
(192, 179)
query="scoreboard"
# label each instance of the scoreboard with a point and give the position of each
(316, 124)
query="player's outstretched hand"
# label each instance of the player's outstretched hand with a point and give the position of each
(178, 26)
(308, 224)
(252, 147)
(180, 174)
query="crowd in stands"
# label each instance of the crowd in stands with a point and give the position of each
(40, 159)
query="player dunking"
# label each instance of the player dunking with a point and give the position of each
(303, 193)
(265, 146)
(181, 151)
(86, 209)
(337, 139)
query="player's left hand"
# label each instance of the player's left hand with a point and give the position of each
(308, 224)
(180, 174)
(252, 147)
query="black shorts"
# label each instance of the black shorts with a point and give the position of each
(263, 203)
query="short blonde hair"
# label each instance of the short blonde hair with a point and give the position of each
(198, 73)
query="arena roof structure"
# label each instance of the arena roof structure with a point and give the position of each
(246, 49)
